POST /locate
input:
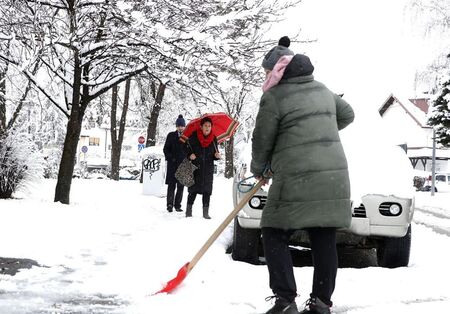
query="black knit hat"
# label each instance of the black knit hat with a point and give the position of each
(300, 65)
(272, 57)
(180, 121)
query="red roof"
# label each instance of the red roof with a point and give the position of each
(421, 103)
(416, 108)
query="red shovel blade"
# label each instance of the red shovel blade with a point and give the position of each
(172, 284)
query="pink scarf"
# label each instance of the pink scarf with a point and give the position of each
(276, 74)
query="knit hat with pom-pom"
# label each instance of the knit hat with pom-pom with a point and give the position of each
(180, 121)
(272, 57)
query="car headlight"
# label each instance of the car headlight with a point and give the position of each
(390, 209)
(255, 202)
(395, 209)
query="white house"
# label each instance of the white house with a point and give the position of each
(94, 147)
(406, 120)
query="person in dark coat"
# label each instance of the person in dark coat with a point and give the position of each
(297, 134)
(174, 153)
(201, 149)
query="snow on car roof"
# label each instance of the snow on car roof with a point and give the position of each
(376, 164)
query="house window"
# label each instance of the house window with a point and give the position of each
(94, 141)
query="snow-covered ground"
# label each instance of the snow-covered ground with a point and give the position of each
(113, 247)
(433, 211)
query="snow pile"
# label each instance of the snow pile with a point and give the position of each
(152, 150)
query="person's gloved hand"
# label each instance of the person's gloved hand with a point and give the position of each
(266, 175)
(261, 178)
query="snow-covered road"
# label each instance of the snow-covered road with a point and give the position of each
(112, 247)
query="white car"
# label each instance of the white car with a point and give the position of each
(382, 206)
(441, 183)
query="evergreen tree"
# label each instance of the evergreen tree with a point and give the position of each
(440, 116)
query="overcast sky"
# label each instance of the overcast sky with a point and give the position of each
(366, 49)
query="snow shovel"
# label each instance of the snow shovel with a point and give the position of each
(186, 269)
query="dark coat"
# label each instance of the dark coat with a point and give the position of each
(297, 131)
(174, 153)
(204, 175)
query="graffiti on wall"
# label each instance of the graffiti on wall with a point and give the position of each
(151, 165)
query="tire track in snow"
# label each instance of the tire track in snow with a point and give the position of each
(437, 229)
(436, 214)
(442, 220)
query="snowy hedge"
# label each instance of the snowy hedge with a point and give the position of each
(52, 159)
(20, 163)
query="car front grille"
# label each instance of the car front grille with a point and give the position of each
(359, 212)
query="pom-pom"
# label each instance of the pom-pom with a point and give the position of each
(284, 41)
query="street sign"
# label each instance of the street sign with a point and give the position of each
(141, 140)
(84, 149)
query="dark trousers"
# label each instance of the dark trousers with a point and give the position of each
(281, 270)
(205, 199)
(171, 193)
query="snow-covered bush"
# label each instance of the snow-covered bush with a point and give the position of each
(20, 163)
(52, 159)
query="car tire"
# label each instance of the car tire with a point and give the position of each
(245, 244)
(394, 252)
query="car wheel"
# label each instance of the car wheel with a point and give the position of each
(394, 252)
(245, 244)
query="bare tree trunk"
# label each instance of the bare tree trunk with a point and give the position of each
(115, 155)
(62, 191)
(116, 142)
(229, 158)
(152, 125)
(2, 100)
(3, 72)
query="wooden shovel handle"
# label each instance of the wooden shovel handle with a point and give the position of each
(223, 225)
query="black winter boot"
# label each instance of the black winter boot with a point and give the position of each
(169, 208)
(316, 306)
(205, 213)
(282, 306)
(189, 210)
